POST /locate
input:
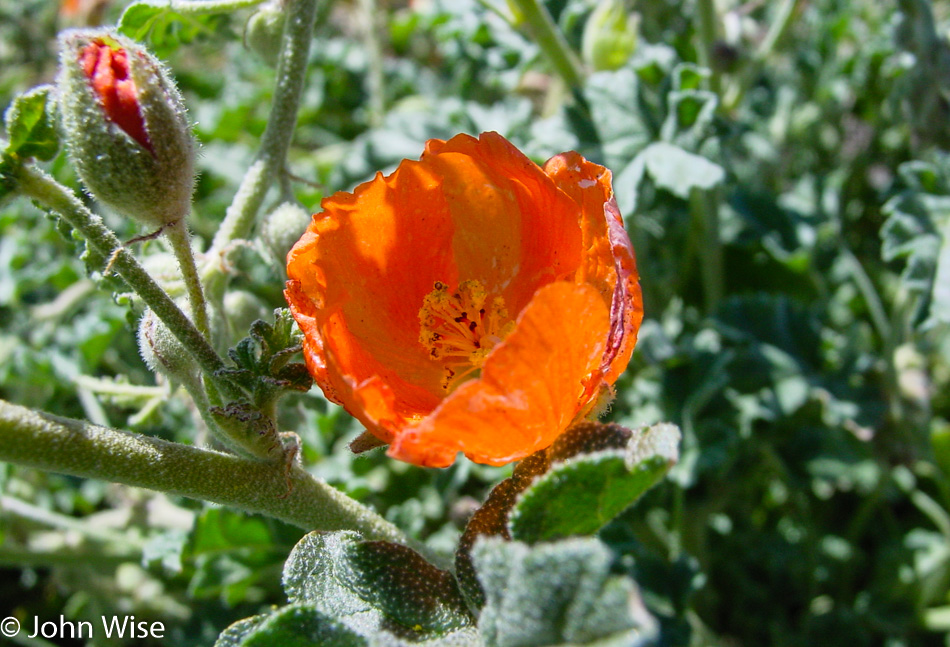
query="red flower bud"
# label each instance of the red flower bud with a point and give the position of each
(125, 126)
(108, 70)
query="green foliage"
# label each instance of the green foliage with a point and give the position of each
(361, 593)
(915, 232)
(262, 360)
(31, 125)
(557, 594)
(602, 482)
(166, 28)
(789, 210)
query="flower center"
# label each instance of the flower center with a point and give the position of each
(461, 328)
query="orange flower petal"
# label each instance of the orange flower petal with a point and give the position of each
(366, 262)
(532, 385)
(609, 263)
(513, 229)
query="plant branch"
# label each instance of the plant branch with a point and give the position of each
(270, 160)
(779, 28)
(552, 42)
(55, 444)
(708, 35)
(178, 238)
(17, 508)
(37, 184)
(370, 17)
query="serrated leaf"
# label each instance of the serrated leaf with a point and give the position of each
(602, 484)
(31, 124)
(375, 587)
(556, 594)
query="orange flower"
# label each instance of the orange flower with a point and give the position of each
(470, 301)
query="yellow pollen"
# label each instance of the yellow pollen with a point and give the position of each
(460, 329)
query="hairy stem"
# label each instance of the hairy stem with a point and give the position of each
(55, 444)
(270, 160)
(178, 238)
(38, 185)
(552, 42)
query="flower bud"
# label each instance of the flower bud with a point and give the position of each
(162, 352)
(265, 29)
(282, 228)
(125, 127)
(610, 36)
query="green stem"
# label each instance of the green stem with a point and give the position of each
(270, 160)
(178, 238)
(779, 28)
(38, 185)
(704, 209)
(708, 35)
(97, 556)
(109, 387)
(552, 42)
(55, 444)
(490, 6)
(17, 508)
(370, 18)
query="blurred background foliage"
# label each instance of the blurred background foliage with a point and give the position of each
(784, 173)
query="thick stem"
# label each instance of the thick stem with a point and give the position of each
(178, 238)
(291, 72)
(552, 42)
(36, 184)
(55, 444)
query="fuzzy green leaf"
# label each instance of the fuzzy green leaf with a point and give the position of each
(556, 594)
(602, 484)
(31, 125)
(290, 626)
(375, 587)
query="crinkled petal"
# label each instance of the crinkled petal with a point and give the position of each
(532, 386)
(608, 262)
